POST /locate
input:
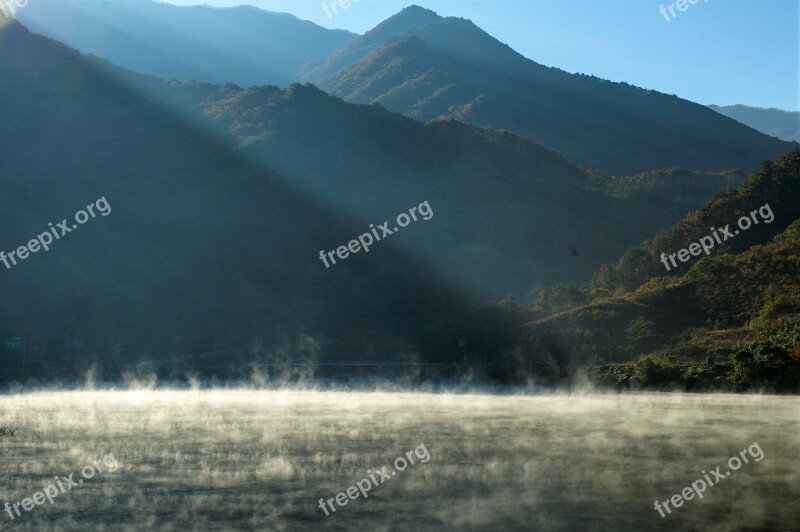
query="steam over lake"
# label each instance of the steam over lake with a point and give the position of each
(261, 460)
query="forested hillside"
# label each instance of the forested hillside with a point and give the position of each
(738, 305)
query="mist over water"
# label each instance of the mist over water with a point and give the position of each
(261, 460)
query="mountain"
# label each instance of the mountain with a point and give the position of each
(243, 45)
(409, 19)
(223, 197)
(429, 67)
(774, 122)
(417, 63)
(201, 247)
(515, 216)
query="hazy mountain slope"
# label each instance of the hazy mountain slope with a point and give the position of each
(451, 68)
(200, 243)
(242, 45)
(512, 216)
(775, 122)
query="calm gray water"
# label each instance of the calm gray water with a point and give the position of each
(261, 460)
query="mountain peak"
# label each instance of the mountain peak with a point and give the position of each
(415, 10)
(410, 18)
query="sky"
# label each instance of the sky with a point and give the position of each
(716, 51)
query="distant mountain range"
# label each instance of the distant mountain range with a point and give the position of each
(774, 122)
(429, 67)
(243, 45)
(419, 64)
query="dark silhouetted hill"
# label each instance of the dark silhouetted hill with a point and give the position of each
(202, 247)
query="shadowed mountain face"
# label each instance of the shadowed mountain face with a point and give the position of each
(241, 45)
(199, 242)
(511, 216)
(428, 67)
(222, 199)
(775, 122)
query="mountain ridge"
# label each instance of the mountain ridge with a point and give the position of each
(778, 123)
(596, 123)
(241, 44)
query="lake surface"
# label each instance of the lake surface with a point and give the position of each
(261, 460)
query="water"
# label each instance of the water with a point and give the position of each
(261, 460)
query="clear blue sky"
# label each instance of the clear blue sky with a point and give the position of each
(717, 51)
